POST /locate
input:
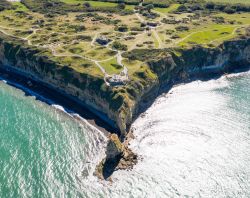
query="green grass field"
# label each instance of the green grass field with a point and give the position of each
(92, 3)
(111, 66)
(70, 39)
(19, 6)
(97, 3)
(171, 8)
(209, 34)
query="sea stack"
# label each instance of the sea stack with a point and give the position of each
(118, 156)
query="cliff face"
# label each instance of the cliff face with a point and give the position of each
(83, 88)
(180, 65)
(119, 106)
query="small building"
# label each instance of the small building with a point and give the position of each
(117, 80)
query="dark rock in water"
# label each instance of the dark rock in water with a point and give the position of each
(118, 156)
(128, 160)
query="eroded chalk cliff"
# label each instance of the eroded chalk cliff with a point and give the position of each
(120, 106)
(172, 66)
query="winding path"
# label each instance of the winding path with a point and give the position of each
(124, 73)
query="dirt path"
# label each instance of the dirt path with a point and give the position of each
(228, 36)
(94, 39)
(189, 35)
(157, 38)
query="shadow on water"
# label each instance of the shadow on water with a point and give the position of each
(109, 167)
(53, 97)
(203, 76)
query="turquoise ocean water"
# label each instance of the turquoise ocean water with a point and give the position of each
(194, 142)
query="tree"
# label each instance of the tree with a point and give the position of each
(87, 5)
(210, 5)
(121, 6)
(229, 10)
(122, 28)
(182, 8)
(118, 46)
(149, 7)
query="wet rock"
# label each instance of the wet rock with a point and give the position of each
(118, 157)
(114, 147)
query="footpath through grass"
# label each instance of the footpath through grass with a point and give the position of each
(92, 3)
(207, 34)
(96, 3)
(170, 9)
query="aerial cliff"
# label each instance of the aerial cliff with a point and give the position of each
(119, 106)
(172, 66)
(86, 89)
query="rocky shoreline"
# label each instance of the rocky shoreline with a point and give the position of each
(83, 93)
(54, 96)
(118, 157)
(118, 154)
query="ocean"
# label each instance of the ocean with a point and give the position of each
(192, 142)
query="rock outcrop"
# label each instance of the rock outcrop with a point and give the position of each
(173, 66)
(118, 156)
(120, 106)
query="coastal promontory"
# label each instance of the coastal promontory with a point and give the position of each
(115, 57)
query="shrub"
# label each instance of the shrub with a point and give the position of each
(218, 20)
(121, 6)
(182, 8)
(149, 7)
(210, 5)
(122, 28)
(87, 5)
(229, 10)
(77, 28)
(118, 46)
(137, 29)
(182, 28)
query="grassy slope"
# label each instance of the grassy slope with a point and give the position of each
(171, 8)
(111, 66)
(5, 4)
(92, 3)
(207, 34)
(97, 3)
(19, 6)
(68, 45)
(60, 38)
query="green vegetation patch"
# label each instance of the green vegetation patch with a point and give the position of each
(208, 35)
(53, 7)
(4, 5)
(158, 3)
(91, 3)
(230, 1)
(111, 66)
(171, 8)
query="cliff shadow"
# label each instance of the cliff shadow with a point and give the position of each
(53, 97)
(110, 166)
(165, 87)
